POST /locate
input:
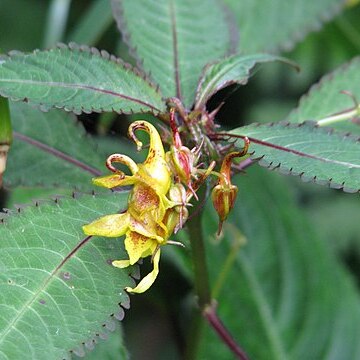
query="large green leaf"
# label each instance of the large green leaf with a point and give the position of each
(57, 286)
(283, 295)
(174, 39)
(78, 79)
(325, 99)
(112, 348)
(51, 150)
(232, 70)
(93, 23)
(267, 25)
(315, 154)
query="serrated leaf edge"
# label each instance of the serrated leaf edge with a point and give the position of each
(82, 110)
(326, 78)
(297, 36)
(222, 86)
(90, 343)
(285, 171)
(118, 15)
(125, 304)
(234, 81)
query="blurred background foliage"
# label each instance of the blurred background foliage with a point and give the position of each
(270, 95)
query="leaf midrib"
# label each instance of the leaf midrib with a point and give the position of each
(289, 150)
(59, 154)
(80, 87)
(35, 295)
(175, 49)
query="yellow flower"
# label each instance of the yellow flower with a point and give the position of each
(141, 239)
(151, 216)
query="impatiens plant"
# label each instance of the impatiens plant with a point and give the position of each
(259, 282)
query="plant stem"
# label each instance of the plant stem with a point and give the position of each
(213, 319)
(5, 134)
(205, 304)
(202, 286)
(195, 334)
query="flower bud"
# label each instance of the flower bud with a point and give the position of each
(181, 160)
(224, 193)
(223, 198)
(177, 215)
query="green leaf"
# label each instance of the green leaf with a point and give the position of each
(325, 99)
(174, 40)
(315, 154)
(232, 70)
(51, 150)
(327, 213)
(91, 26)
(283, 296)
(78, 79)
(270, 25)
(112, 348)
(57, 286)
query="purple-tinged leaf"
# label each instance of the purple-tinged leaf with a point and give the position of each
(315, 154)
(79, 79)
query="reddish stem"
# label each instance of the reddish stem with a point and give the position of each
(215, 322)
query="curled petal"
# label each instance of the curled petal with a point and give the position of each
(154, 171)
(149, 279)
(122, 159)
(110, 225)
(155, 140)
(111, 181)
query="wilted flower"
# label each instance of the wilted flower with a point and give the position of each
(151, 216)
(224, 193)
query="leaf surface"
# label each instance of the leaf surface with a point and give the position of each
(325, 98)
(316, 154)
(270, 25)
(57, 286)
(91, 26)
(78, 79)
(174, 40)
(232, 70)
(278, 293)
(51, 150)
